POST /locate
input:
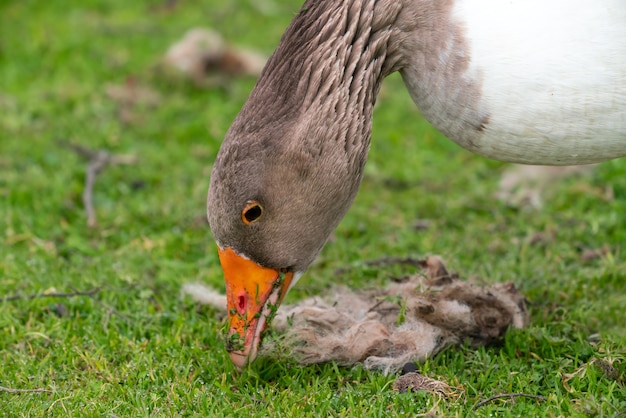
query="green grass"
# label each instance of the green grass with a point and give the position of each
(136, 348)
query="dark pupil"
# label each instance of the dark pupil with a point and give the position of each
(253, 213)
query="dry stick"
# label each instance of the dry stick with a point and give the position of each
(11, 390)
(387, 261)
(96, 164)
(98, 161)
(89, 293)
(509, 395)
(112, 310)
(421, 263)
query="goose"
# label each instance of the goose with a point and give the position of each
(526, 81)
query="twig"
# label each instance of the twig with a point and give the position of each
(111, 310)
(388, 261)
(509, 395)
(89, 293)
(11, 390)
(52, 295)
(98, 161)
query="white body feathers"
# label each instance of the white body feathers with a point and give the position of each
(552, 77)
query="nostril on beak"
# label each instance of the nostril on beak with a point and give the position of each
(241, 305)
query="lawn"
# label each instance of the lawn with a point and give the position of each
(118, 340)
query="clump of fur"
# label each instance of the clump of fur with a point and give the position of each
(203, 56)
(404, 322)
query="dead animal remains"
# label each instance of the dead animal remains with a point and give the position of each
(384, 329)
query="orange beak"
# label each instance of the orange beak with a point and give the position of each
(253, 295)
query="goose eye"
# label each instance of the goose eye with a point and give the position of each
(251, 213)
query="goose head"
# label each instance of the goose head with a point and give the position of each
(273, 202)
